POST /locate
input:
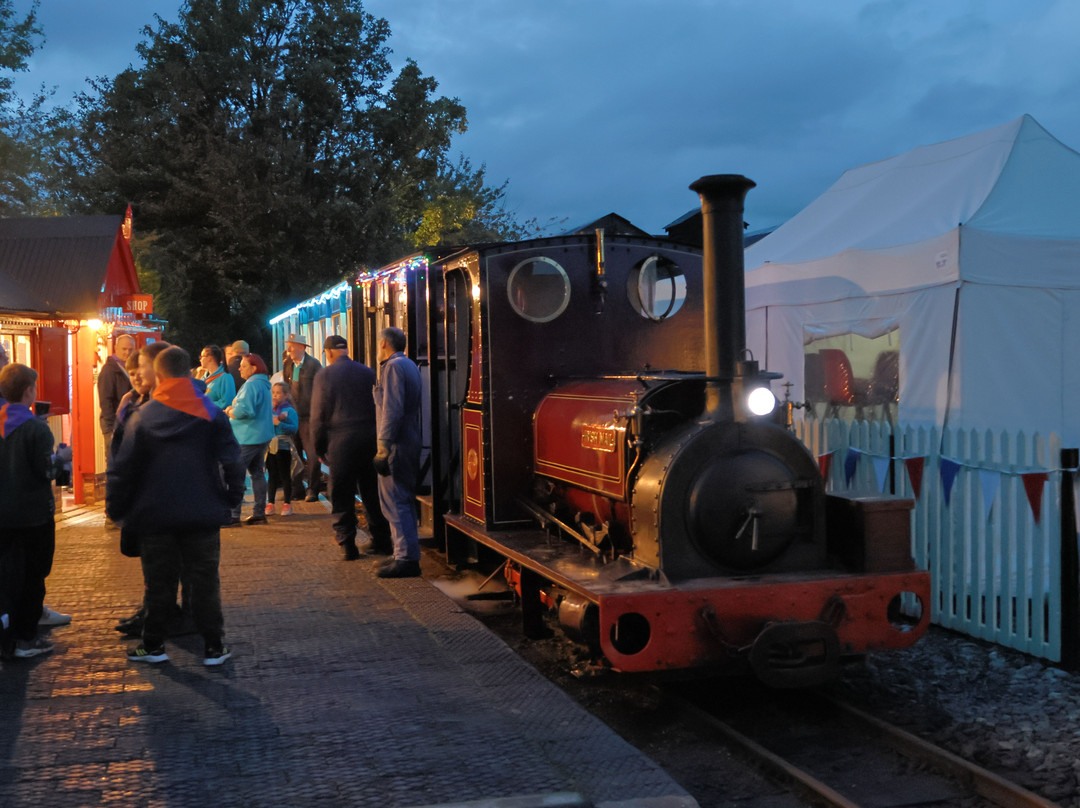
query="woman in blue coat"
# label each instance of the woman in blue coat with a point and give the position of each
(252, 419)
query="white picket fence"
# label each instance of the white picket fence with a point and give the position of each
(995, 570)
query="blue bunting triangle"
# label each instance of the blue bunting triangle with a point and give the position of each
(850, 461)
(949, 469)
(881, 469)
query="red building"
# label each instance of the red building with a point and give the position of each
(68, 288)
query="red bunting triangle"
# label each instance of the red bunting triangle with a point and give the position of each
(824, 461)
(915, 470)
(1033, 485)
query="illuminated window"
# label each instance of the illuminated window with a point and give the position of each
(539, 289)
(850, 376)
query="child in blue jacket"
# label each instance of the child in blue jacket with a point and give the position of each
(279, 455)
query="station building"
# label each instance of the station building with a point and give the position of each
(68, 289)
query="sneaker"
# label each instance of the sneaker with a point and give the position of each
(51, 617)
(216, 654)
(286, 509)
(144, 654)
(24, 649)
(131, 626)
(400, 568)
(269, 510)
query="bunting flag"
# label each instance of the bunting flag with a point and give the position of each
(914, 470)
(881, 469)
(824, 461)
(1033, 485)
(991, 482)
(949, 470)
(851, 460)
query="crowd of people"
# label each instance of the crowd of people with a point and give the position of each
(180, 447)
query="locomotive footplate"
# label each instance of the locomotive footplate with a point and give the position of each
(563, 563)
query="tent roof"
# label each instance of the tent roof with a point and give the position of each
(1015, 179)
(56, 265)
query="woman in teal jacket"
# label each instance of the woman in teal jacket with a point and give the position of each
(220, 387)
(252, 419)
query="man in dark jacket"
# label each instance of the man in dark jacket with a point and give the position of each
(175, 479)
(343, 432)
(299, 371)
(27, 529)
(112, 384)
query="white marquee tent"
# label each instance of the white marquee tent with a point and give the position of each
(964, 255)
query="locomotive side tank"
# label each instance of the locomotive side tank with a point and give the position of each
(677, 529)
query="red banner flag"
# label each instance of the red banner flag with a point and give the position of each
(1033, 485)
(824, 461)
(914, 471)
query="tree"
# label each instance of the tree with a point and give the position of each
(23, 148)
(460, 208)
(269, 151)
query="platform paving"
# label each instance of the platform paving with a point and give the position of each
(344, 690)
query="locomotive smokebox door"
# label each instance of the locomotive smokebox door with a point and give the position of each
(870, 533)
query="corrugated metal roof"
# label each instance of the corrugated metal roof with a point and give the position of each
(56, 265)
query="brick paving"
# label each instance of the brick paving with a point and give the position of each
(344, 690)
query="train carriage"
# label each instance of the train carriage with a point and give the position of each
(588, 424)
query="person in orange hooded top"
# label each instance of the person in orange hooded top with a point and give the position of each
(161, 485)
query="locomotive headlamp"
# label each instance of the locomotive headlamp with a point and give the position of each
(761, 401)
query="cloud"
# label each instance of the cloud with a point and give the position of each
(589, 107)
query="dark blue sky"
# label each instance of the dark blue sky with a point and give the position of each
(593, 106)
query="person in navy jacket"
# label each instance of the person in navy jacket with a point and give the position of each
(175, 479)
(343, 432)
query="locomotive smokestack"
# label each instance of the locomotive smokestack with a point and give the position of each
(722, 198)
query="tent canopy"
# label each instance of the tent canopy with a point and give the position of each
(964, 256)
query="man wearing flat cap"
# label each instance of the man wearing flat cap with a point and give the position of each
(343, 432)
(298, 370)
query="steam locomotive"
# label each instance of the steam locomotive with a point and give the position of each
(596, 422)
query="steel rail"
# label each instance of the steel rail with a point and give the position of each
(992, 787)
(775, 765)
(985, 783)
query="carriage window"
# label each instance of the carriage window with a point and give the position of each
(539, 289)
(656, 288)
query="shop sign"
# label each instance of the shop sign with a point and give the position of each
(138, 304)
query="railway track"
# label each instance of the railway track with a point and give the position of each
(833, 754)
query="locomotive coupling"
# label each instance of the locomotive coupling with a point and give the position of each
(796, 654)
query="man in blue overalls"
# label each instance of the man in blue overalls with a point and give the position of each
(397, 410)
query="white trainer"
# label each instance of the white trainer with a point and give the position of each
(51, 617)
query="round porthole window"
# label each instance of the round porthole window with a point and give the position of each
(656, 288)
(539, 289)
